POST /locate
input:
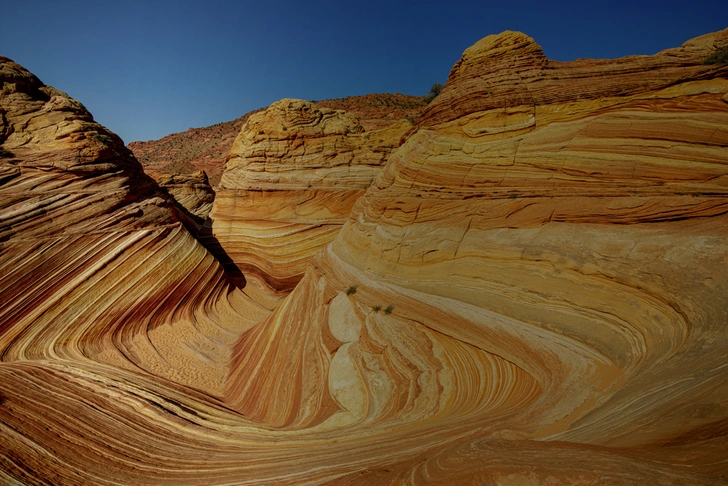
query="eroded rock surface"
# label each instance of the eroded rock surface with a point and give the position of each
(291, 179)
(187, 152)
(95, 263)
(531, 290)
(550, 255)
(192, 193)
(206, 148)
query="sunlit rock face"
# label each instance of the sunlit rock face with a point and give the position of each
(292, 176)
(550, 244)
(95, 263)
(530, 291)
(575, 228)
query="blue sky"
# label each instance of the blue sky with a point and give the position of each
(149, 68)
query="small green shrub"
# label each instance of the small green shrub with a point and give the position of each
(388, 310)
(434, 92)
(376, 308)
(718, 57)
(351, 290)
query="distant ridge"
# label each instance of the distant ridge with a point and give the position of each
(206, 148)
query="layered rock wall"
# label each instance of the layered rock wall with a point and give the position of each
(530, 290)
(550, 259)
(207, 148)
(292, 177)
(95, 261)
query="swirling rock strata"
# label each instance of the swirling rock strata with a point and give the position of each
(95, 261)
(292, 176)
(542, 262)
(526, 294)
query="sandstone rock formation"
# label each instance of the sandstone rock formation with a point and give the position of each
(176, 161)
(192, 193)
(291, 179)
(531, 291)
(207, 148)
(96, 266)
(196, 149)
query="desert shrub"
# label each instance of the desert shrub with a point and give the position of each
(389, 309)
(351, 290)
(376, 308)
(434, 91)
(718, 57)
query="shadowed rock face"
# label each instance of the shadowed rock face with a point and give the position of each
(191, 192)
(539, 275)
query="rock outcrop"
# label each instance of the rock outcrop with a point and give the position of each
(187, 152)
(530, 291)
(95, 263)
(290, 181)
(206, 148)
(192, 193)
(543, 259)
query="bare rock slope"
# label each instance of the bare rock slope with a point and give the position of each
(531, 290)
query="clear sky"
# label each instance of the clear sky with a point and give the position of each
(149, 68)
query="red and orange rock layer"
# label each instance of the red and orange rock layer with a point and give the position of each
(292, 177)
(206, 148)
(531, 290)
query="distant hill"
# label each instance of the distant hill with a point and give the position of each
(206, 148)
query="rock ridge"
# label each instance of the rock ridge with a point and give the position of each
(207, 148)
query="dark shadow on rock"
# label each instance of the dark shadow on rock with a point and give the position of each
(208, 240)
(201, 230)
